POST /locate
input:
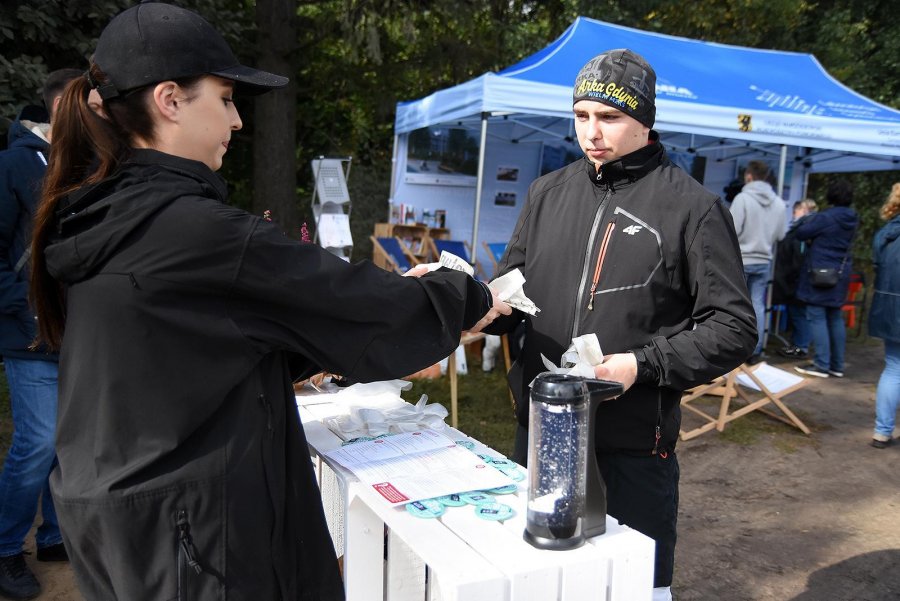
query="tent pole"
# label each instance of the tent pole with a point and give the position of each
(478, 182)
(393, 177)
(782, 167)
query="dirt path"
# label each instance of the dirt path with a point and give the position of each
(790, 517)
(768, 513)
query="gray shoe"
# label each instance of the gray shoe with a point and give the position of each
(812, 370)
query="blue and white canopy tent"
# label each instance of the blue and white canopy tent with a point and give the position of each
(713, 100)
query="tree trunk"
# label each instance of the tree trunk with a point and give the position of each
(275, 118)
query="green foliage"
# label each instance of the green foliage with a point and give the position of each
(355, 59)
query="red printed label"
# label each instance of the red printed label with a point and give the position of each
(387, 490)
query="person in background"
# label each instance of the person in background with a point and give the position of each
(829, 237)
(626, 245)
(884, 318)
(759, 222)
(181, 322)
(31, 374)
(788, 264)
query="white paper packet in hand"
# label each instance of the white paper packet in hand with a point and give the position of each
(508, 288)
(579, 359)
(450, 261)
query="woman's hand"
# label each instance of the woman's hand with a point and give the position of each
(499, 308)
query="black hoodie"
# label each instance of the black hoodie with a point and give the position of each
(671, 286)
(178, 438)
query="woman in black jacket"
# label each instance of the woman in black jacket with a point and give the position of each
(829, 235)
(181, 321)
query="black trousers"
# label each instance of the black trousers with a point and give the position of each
(642, 493)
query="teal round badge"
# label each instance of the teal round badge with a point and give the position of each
(513, 472)
(476, 498)
(426, 508)
(451, 500)
(503, 490)
(494, 512)
(468, 444)
(499, 463)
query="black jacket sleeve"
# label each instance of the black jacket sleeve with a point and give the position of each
(724, 332)
(355, 320)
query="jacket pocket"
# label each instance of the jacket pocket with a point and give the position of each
(632, 254)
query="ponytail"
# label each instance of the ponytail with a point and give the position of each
(85, 149)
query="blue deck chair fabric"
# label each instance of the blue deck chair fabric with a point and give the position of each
(497, 249)
(457, 247)
(391, 247)
(495, 252)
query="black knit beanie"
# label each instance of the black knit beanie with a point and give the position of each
(620, 79)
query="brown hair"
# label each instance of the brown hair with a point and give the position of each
(891, 207)
(758, 170)
(86, 149)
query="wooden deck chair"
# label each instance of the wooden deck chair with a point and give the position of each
(390, 251)
(457, 247)
(771, 383)
(495, 251)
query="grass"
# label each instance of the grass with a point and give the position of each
(484, 408)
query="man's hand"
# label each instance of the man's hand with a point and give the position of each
(621, 367)
(499, 308)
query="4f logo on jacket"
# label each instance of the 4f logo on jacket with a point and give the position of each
(631, 230)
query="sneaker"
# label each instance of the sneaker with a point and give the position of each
(836, 373)
(794, 352)
(16, 580)
(881, 444)
(812, 370)
(55, 552)
(758, 358)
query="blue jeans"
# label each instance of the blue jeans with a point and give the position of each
(828, 335)
(800, 324)
(31, 457)
(757, 277)
(887, 397)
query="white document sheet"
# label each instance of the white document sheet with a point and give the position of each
(773, 378)
(417, 465)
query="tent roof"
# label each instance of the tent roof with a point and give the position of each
(702, 88)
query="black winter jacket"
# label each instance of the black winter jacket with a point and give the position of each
(671, 286)
(829, 235)
(22, 168)
(184, 471)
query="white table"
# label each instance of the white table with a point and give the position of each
(390, 555)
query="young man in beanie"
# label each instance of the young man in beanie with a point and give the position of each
(625, 245)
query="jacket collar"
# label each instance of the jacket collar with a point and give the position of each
(629, 168)
(188, 167)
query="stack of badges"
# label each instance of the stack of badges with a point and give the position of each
(426, 508)
(451, 500)
(507, 467)
(486, 507)
(494, 512)
(476, 497)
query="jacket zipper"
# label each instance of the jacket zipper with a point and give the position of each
(268, 407)
(187, 556)
(598, 216)
(610, 228)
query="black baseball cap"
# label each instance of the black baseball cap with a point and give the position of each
(154, 42)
